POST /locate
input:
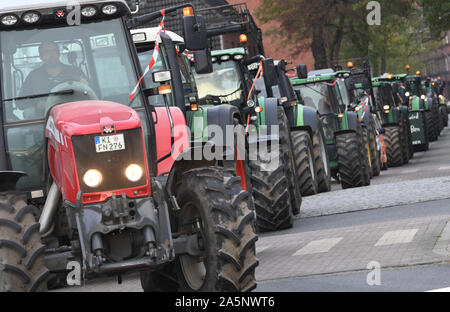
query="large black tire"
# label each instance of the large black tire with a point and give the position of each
(444, 114)
(404, 142)
(368, 149)
(322, 160)
(304, 162)
(212, 203)
(287, 150)
(271, 194)
(394, 148)
(431, 127)
(21, 250)
(351, 159)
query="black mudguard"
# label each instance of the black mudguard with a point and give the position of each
(8, 180)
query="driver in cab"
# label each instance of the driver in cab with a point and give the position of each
(43, 79)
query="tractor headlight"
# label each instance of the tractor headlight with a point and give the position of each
(89, 11)
(407, 94)
(31, 17)
(422, 97)
(92, 178)
(386, 107)
(10, 20)
(109, 9)
(134, 172)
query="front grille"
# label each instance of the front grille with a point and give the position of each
(112, 165)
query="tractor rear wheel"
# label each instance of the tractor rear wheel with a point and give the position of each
(394, 149)
(270, 184)
(214, 207)
(287, 150)
(322, 161)
(21, 250)
(431, 127)
(304, 162)
(351, 158)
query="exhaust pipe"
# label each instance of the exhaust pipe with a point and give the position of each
(50, 206)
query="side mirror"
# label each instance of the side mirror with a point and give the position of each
(195, 35)
(302, 71)
(270, 73)
(203, 63)
(162, 76)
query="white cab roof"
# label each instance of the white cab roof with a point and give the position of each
(21, 5)
(150, 35)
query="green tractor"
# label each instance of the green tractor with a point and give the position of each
(437, 87)
(218, 96)
(423, 126)
(394, 121)
(311, 154)
(361, 99)
(327, 93)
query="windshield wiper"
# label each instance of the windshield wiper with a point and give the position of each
(70, 91)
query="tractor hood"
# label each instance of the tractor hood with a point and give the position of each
(85, 117)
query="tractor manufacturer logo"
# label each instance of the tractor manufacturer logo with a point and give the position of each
(109, 130)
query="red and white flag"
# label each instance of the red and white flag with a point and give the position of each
(154, 57)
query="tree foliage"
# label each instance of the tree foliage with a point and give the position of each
(337, 30)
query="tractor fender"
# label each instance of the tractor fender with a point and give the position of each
(8, 180)
(190, 158)
(349, 123)
(268, 117)
(164, 139)
(221, 118)
(307, 119)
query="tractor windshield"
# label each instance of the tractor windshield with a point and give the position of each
(45, 66)
(39, 62)
(316, 96)
(223, 85)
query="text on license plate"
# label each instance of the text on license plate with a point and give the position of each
(109, 143)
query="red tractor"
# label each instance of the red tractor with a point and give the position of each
(90, 178)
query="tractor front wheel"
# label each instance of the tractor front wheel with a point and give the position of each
(22, 266)
(215, 208)
(304, 162)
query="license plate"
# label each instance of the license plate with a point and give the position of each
(109, 143)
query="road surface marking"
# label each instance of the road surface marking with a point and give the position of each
(397, 237)
(262, 248)
(318, 246)
(444, 168)
(447, 289)
(409, 171)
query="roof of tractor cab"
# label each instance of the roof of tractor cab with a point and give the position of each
(313, 79)
(29, 5)
(150, 35)
(235, 51)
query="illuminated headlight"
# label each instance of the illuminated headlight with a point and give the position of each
(9, 20)
(238, 57)
(88, 11)
(225, 57)
(386, 111)
(134, 172)
(92, 178)
(109, 9)
(31, 17)
(214, 59)
(386, 107)
(441, 96)
(422, 97)
(407, 94)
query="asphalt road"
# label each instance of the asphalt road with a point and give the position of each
(395, 245)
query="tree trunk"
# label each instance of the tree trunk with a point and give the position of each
(318, 47)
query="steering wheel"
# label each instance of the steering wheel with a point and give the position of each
(81, 92)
